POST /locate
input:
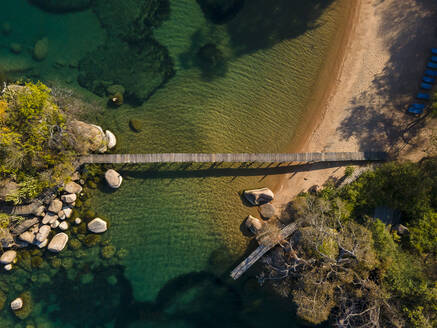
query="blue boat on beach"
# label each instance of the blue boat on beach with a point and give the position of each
(423, 96)
(428, 79)
(430, 72)
(434, 58)
(415, 111)
(426, 86)
(434, 51)
(431, 65)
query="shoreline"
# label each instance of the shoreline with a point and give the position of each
(364, 105)
(318, 106)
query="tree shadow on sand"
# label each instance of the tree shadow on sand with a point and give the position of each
(377, 118)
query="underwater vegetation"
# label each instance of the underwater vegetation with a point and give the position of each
(130, 57)
(220, 11)
(61, 6)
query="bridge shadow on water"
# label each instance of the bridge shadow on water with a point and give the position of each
(189, 170)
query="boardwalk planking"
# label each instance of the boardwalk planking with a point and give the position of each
(240, 158)
(259, 252)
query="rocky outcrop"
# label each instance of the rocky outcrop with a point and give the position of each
(113, 178)
(87, 137)
(267, 210)
(72, 188)
(8, 257)
(6, 239)
(97, 225)
(253, 224)
(7, 187)
(58, 242)
(24, 226)
(55, 206)
(259, 196)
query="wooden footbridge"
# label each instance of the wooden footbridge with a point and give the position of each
(239, 158)
(261, 250)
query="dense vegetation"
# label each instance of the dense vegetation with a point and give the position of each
(345, 266)
(35, 151)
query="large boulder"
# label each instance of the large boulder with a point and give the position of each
(259, 196)
(253, 224)
(55, 206)
(28, 237)
(17, 304)
(87, 137)
(113, 178)
(72, 188)
(58, 242)
(8, 257)
(97, 225)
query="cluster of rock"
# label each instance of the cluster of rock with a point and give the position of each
(45, 228)
(261, 198)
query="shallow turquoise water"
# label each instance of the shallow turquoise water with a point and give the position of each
(180, 225)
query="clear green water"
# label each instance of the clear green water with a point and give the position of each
(181, 226)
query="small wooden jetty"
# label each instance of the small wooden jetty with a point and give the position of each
(238, 158)
(266, 244)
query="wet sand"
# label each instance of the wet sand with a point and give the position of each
(364, 107)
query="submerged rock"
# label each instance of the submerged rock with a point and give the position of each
(259, 196)
(8, 257)
(41, 49)
(113, 178)
(58, 242)
(97, 226)
(220, 11)
(15, 48)
(8, 267)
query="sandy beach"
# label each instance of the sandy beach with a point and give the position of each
(385, 50)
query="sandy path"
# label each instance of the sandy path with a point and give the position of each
(384, 59)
